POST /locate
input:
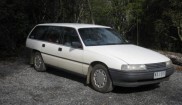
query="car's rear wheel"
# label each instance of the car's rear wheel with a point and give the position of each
(38, 62)
(100, 79)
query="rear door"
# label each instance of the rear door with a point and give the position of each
(50, 45)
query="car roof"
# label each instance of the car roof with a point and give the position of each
(74, 25)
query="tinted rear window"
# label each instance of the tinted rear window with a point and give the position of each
(53, 34)
(38, 32)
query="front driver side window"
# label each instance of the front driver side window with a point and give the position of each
(71, 38)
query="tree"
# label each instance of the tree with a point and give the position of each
(101, 11)
(127, 15)
(150, 23)
(159, 25)
(176, 15)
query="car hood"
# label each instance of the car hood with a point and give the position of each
(129, 53)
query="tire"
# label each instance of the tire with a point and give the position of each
(38, 62)
(100, 79)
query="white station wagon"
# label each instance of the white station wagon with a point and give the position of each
(97, 52)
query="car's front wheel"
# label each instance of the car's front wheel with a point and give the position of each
(100, 79)
(38, 62)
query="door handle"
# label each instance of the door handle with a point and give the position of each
(43, 45)
(59, 49)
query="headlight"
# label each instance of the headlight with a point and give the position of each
(169, 64)
(133, 67)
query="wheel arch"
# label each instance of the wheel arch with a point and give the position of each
(32, 55)
(90, 69)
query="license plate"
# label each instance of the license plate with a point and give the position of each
(160, 74)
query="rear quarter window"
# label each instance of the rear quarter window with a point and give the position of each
(38, 32)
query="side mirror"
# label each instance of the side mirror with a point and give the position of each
(76, 45)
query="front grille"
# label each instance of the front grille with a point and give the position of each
(156, 65)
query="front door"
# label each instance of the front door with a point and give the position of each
(71, 56)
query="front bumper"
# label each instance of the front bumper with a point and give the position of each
(138, 78)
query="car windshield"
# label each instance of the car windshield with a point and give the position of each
(100, 36)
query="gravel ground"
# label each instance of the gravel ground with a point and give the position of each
(20, 84)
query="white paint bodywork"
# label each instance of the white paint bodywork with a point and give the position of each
(78, 60)
(128, 53)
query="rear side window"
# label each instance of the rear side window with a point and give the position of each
(53, 34)
(38, 32)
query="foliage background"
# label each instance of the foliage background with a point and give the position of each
(155, 24)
